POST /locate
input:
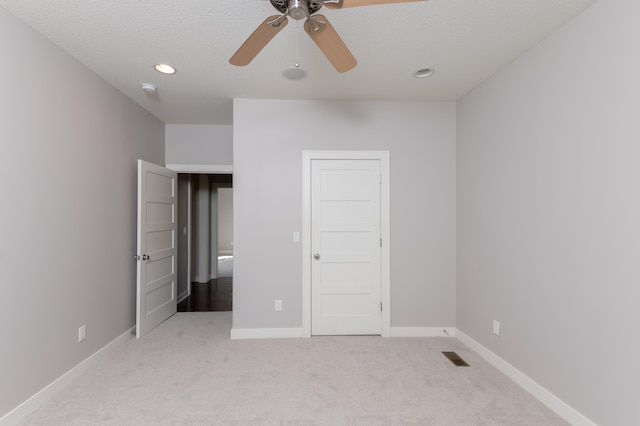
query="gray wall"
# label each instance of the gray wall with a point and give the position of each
(549, 213)
(199, 144)
(268, 202)
(68, 144)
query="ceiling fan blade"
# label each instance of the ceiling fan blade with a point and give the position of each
(257, 41)
(354, 3)
(331, 45)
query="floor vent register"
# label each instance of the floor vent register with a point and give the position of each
(455, 359)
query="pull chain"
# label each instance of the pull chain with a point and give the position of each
(297, 43)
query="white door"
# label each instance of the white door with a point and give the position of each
(156, 257)
(345, 246)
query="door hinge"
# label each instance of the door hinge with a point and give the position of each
(381, 179)
(380, 242)
(380, 306)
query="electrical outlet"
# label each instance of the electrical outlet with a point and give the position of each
(496, 327)
(82, 333)
(278, 305)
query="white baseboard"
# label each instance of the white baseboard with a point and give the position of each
(543, 395)
(265, 333)
(423, 331)
(183, 296)
(19, 413)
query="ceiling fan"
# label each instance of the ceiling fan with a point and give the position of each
(317, 26)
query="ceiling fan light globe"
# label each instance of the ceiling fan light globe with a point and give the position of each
(294, 73)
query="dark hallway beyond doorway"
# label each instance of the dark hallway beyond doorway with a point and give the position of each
(216, 295)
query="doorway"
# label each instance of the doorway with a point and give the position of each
(205, 246)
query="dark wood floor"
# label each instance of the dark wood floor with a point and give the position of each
(212, 296)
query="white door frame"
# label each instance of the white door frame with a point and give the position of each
(385, 258)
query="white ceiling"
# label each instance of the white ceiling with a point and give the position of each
(465, 41)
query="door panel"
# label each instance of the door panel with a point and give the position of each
(345, 234)
(156, 256)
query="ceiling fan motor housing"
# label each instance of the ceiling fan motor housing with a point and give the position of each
(297, 9)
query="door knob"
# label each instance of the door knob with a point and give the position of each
(145, 257)
(316, 256)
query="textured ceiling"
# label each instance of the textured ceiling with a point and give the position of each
(465, 41)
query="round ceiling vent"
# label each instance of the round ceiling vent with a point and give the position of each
(425, 72)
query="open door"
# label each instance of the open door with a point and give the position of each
(156, 256)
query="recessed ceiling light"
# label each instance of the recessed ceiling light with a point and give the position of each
(425, 72)
(165, 69)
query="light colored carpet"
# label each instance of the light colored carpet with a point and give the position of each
(188, 372)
